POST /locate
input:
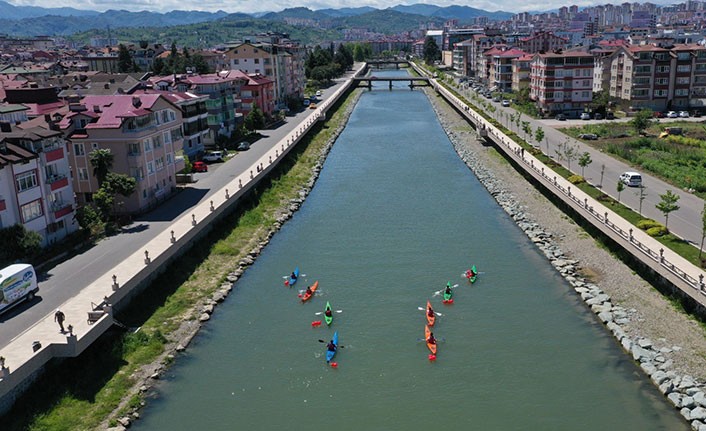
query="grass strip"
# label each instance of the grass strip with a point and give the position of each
(80, 393)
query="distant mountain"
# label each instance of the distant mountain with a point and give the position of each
(347, 11)
(259, 14)
(465, 12)
(9, 11)
(388, 21)
(297, 12)
(417, 9)
(64, 25)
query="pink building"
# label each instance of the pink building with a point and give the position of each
(143, 132)
(258, 91)
(562, 82)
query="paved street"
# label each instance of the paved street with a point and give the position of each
(66, 279)
(686, 222)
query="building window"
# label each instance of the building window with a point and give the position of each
(684, 68)
(31, 211)
(78, 150)
(147, 143)
(167, 137)
(133, 148)
(26, 181)
(584, 94)
(683, 80)
(159, 163)
(169, 158)
(94, 145)
(157, 141)
(661, 81)
(83, 174)
(660, 93)
(257, 61)
(236, 61)
(681, 92)
(150, 168)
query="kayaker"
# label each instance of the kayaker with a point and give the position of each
(328, 312)
(471, 273)
(331, 347)
(430, 312)
(308, 291)
(448, 290)
(431, 339)
(293, 276)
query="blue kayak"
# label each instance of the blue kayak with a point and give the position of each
(330, 354)
(291, 281)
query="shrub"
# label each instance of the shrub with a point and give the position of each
(18, 244)
(576, 179)
(648, 224)
(657, 231)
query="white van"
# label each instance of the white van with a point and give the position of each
(17, 282)
(632, 179)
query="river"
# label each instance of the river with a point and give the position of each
(395, 215)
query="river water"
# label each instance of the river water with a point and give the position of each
(395, 215)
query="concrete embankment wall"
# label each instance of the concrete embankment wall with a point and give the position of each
(23, 364)
(665, 264)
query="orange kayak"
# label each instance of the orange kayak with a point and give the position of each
(432, 347)
(431, 319)
(313, 290)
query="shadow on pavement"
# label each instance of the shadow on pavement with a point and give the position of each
(19, 309)
(169, 211)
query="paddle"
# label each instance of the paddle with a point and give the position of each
(419, 340)
(337, 345)
(422, 309)
(319, 313)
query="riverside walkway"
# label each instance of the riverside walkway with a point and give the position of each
(89, 308)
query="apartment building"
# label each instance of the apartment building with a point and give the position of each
(544, 41)
(521, 72)
(283, 64)
(562, 82)
(659, 78)
(256, 91)
(35, 181)
(501, 68)
(479, 44)
(144, 134)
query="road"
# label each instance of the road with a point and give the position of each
(686, 222)
(64, 280)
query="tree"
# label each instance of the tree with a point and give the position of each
(602, 172)
(198, 63)
(585, 160)
(668, 204)
(641, 195)
(124, 59)
(620, 187)
(567, 152)
(641, 121)
(539, 135)
(114, 184)
(102, 161)
(518, 119)
(134, 67)
(158, 66)
(431, 51)
(18, 244)
(703, 231)
(255, 119)
(358, 54)
(526, 128)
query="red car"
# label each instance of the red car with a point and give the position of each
(658, 114)
(199, 167)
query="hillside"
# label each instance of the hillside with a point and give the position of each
(465, 12)
(9, 11)
(347, 11)
(297, 12)
(206, 34)
(388, 21)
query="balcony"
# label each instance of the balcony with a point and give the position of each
(61, 209)
(3, 207)
(54, 154)
(56, 182)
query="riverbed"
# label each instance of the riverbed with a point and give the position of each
(395, 215)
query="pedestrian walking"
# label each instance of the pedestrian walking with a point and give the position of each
(59, 318)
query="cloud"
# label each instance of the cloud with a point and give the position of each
(276, 5)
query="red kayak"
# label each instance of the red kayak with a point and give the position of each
(313, 290)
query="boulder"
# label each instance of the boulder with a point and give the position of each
(666, 387)
(622, 321)
(204, 317)
(700, 399)
(696, 425)
(699, 413)
(692, 391)
(605, 316)
(675, 398)
(208, 309)
(658, 377)
(666, 365)
(686, 413)
(116, 428)
(645, 343)
(124, 421)
(218, 296)
(665, 350)
(627, 344)
(686, 382)
(640, 354)
(688, 402)
(648, 368)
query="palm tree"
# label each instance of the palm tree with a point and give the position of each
(102, 161)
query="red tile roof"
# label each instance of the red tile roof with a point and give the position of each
(114, 108)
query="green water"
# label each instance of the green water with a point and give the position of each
(393, 217)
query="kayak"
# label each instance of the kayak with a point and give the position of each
(431, 319)
(432, 347)
(291, 281)
(328, 319)
(330, 354)
(313, 290)
(468, 273)
(447, 296)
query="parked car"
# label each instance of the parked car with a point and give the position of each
(505, 103)
(609, 116)
(243, 146)
(631, 179)
(318, 93)
(588, 136)
(306, 102)
(214, 156)
(312, 106)
(488, 95)
(17, 283)
(696, 114)
(658, 114)
(496, 99)
(585, 116)
(683, 114)
(672, 114)
(597, 116)
(199, 167)
(560, 117)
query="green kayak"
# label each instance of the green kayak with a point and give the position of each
(447, 295)
(328, 313)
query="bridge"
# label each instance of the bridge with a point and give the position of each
(414, 81)
(378, 63)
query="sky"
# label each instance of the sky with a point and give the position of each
(277, 5)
